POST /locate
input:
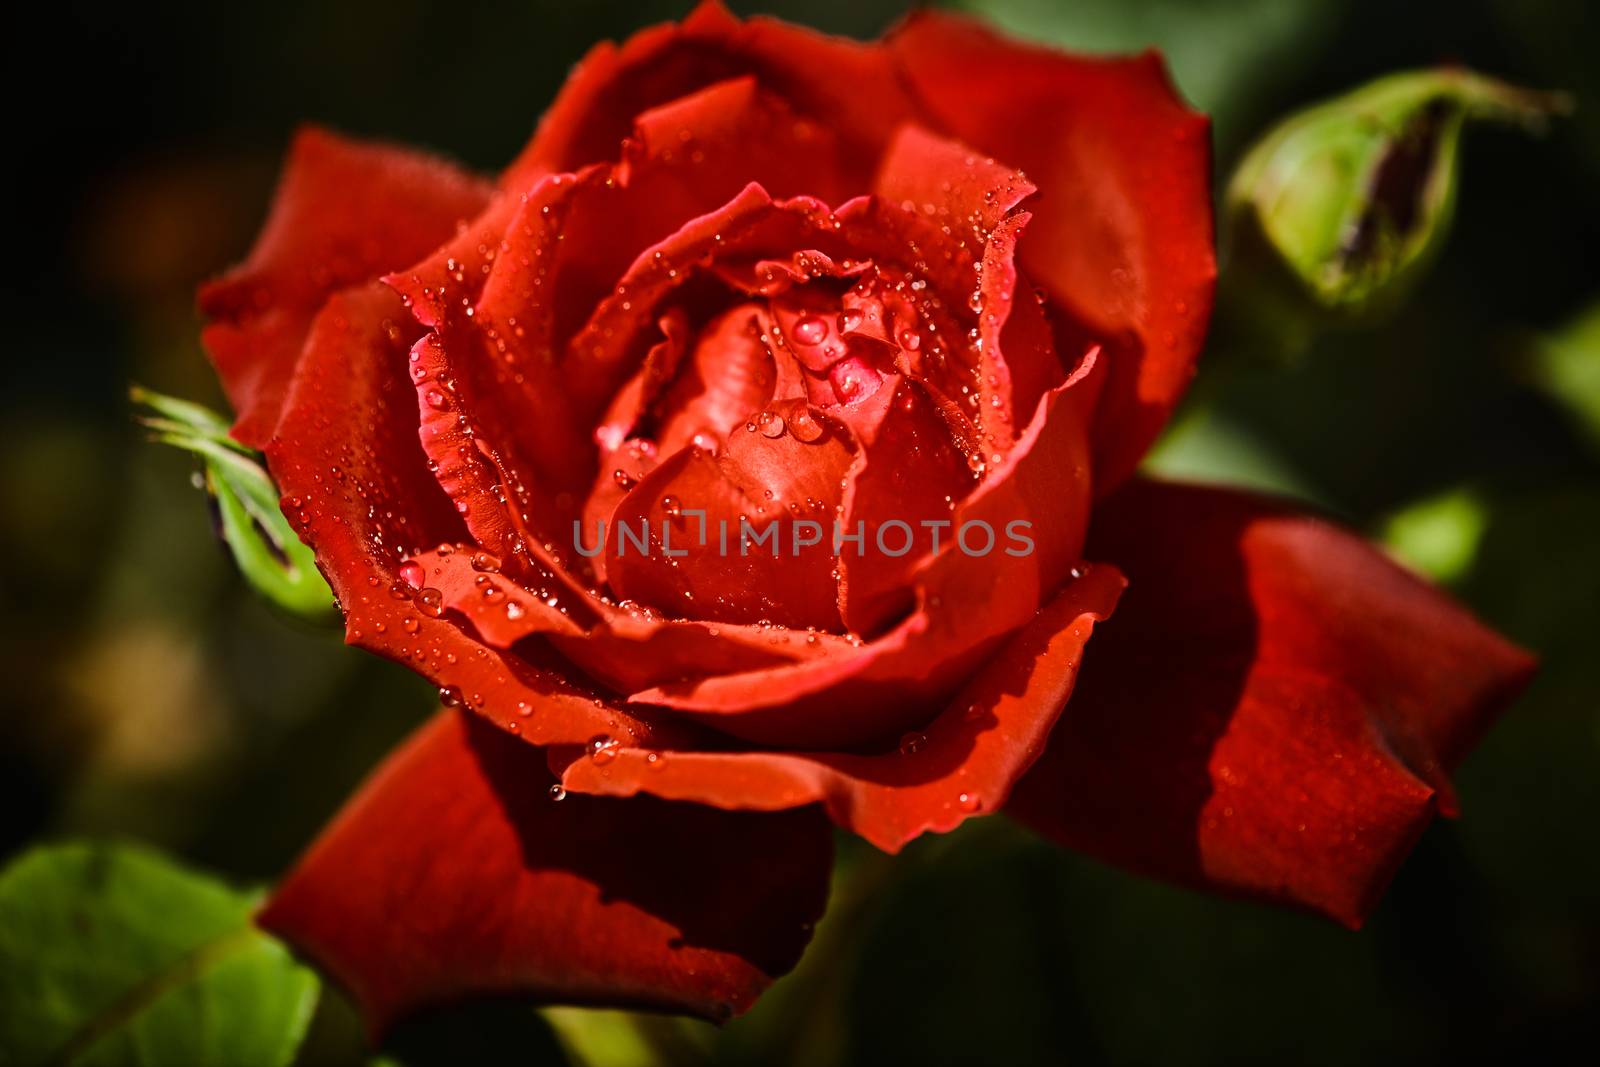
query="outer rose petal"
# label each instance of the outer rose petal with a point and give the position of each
(1274, 710)
(850, 87)
(345, 212)
(1122, 235)
(452, 874)
(964, 763)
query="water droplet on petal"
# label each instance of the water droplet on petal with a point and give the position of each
(969, 802)
(603, 749)
(811, 330)
(853, 378)
(450, 696)
(805, 425)
(912, 743)
(557, 792)
(412, 573)
(771, 424)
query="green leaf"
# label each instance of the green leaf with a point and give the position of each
(111, 954)
(272, 558)
(1337, 211)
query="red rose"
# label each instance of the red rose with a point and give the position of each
(748, 278)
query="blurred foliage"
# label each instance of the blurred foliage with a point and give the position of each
(149, 693)
(115, 956)
(1438, 537)
(1567, 365)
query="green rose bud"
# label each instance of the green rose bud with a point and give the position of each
(275, 562)
(1338, 210)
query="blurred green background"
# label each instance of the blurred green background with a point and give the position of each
(149, 695)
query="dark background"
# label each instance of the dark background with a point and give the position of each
(149, 695)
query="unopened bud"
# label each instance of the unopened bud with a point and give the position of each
(1338, 210)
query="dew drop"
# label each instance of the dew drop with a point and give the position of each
(811, 330)
(450, 696)
(912, 743)
(603, 749)
(557, 792)
(413, 574)
(805, 425)
(969, 802)
(771, 424)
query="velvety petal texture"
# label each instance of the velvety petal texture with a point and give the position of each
(454, 872)
(1274, 710)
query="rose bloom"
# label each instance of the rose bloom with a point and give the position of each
(744, 271)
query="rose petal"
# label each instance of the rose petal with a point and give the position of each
(949, 183)
(624, 648)
(453, 874)
(846, 86)
(1274, 710)
(908, 473)
(564, 254)
(962, 763)
(786, 490)
(1122, 232)
(356, 483)
(345, 212)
